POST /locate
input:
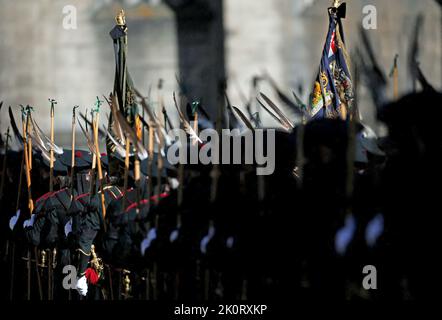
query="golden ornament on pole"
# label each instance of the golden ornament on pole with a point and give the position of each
(120, 18)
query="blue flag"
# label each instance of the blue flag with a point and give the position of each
(333, 94)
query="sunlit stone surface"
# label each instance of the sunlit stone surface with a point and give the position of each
(41, 60)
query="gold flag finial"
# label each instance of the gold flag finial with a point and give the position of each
(336, 3)
(120, 18)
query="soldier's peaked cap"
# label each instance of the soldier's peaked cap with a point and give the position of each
(82, 158)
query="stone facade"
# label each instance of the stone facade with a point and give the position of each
(41, 60)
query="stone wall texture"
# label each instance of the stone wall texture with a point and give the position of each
(40, 60)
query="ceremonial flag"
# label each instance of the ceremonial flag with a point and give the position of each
(333, 93)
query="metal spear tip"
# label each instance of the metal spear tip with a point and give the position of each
(98, 104)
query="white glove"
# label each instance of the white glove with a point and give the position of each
(229, 242)
(174, 235)
(82, 286)
(345, 235)
(13, 220)
(205, 241)
(151, 235)
(68, 227)
(374, 230)
(29, 222)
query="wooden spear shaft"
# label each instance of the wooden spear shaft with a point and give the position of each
(160, 145)
(100, 170)
(396, 82)
(27, 156)
(150, 160)
(126, 172)
(73, 151)
(159, 170)
(160, 161)
(395, 75)
(51, 163)
(215, 173)
(137, 176)
(27, 163)
(29, 144)
(195, 125)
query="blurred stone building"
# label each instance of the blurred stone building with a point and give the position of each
(39, 59)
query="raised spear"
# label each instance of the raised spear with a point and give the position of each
(51, 163)
(29, 138)
(126, 172)
(216, 172)
(395, 74)
(150, 159)
(98, 157)
(27, 157)
(25, 124)
(74, 120)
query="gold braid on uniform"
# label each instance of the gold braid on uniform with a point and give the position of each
(84, 253)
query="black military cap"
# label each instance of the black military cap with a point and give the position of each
(59, 167)
(414, 114)
(83, 159)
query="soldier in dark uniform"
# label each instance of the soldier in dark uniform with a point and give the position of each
(86, 211)
(410, 196)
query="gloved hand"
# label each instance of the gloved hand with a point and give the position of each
(82, 286)
(13, 220)
(29, 222)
